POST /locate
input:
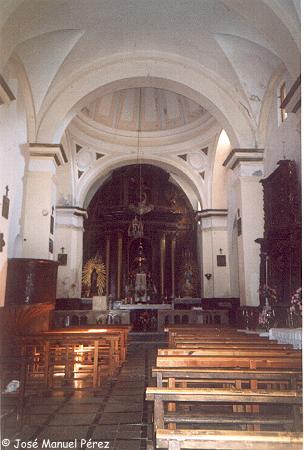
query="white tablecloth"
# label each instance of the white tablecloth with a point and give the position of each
(291, 336)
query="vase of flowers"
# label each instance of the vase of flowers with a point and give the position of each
(267, 314)
(295, 309)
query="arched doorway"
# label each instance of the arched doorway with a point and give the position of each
(168, 248)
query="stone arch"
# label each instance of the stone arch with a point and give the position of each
(95, 177)
(162, 70)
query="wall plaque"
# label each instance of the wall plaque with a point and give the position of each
(221, 260)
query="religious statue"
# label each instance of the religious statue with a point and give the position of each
(94, 276)
(188, 284)
(94, 287)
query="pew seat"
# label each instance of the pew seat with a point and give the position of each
(227, 440)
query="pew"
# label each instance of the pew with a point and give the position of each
(228, 440)
(226, 358)
(73, 354)
(238, 378)
(221, 398)
(246, 362)
(228, 351)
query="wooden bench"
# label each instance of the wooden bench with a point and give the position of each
(225, 397)
(70, 355)
(227, 440)
(240, 379)
(245, 362)
(228, 351)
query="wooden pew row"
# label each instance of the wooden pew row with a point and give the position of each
(227, 440)
(121, 330)
(291, 379)
(68, 356)
(222, 339)
(182, 331)
(230, 362)
(218, 340)
(241, 345)
(227, 351)
(291, 401)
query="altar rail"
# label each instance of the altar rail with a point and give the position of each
(193, 316)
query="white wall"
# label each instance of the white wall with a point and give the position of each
(283, 140)
(13, 133)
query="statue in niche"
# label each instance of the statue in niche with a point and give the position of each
(93, 286)
(94, 277)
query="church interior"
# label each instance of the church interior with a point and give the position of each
(150, 224)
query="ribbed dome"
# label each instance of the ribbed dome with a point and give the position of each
(160, 110)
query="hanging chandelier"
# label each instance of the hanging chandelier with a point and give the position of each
(136, 227)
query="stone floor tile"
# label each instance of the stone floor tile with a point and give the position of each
(43, 409)
(111, 418)
(105, 432)
(127, 445)
(72, 419)
(35, 419)
(85, 400)
(64, 433)
(76, 408)
(123, 407)
(126, 431)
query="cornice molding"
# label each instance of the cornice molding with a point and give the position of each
(72, 210)
(48, 150)
(239, 155)
(206, 213)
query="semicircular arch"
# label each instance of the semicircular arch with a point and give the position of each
(91, 181)
(164, 71)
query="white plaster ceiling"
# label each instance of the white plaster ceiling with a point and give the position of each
(56, 39)
(144, 109)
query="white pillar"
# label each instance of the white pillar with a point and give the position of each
(40, 200)
(214, 244)
(247, 167)
(69, 236)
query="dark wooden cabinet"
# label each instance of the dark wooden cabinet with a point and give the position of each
(281, 243)
(31, 281)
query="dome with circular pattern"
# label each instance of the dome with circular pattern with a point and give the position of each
(160, 110)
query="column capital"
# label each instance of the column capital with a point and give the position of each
(42, 150)
(245, 160)
(70, 216)
(72, 211)
(212, 218)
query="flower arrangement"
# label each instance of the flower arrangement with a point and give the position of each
(268, 293)
(296, 303)
(264, 317)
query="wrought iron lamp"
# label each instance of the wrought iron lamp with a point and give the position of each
(136, 227)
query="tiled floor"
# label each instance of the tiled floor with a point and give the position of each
(118, 414)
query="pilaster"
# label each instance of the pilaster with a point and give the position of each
(40, 199)
(247, 217)
(69, 242)
(215, 274)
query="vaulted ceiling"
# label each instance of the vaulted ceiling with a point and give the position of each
(231, 40)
